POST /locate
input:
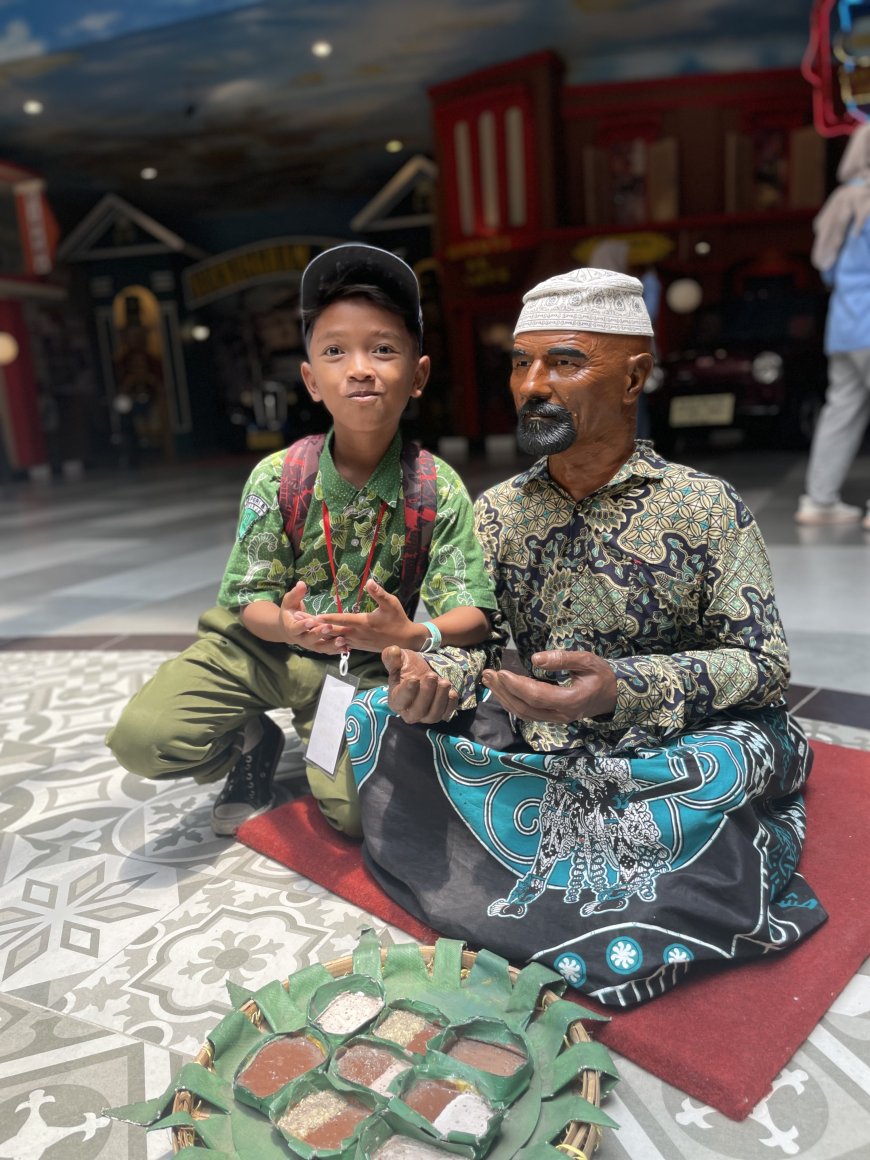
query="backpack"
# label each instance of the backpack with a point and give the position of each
(299, 472)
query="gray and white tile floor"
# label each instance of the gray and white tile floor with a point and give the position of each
(120, 913)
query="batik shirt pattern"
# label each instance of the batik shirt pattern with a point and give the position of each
(261, 564)
(662, 571)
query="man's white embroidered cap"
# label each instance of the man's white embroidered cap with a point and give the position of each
(586, 299)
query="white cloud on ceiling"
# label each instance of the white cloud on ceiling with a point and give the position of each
(238, 92)
(94, 24)
(16, 41)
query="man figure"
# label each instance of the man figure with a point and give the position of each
(631, 803)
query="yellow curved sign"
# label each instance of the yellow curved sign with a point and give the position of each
(644, 248)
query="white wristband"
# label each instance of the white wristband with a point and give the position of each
(433, 644)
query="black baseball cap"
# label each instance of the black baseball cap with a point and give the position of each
(357, 263)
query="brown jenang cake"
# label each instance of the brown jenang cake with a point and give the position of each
(450, 1106)
(280, 1060)
(494, 1058)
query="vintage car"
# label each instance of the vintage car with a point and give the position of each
(754, 364)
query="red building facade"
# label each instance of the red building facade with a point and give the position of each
(28, 239)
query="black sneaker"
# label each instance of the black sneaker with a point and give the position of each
(247, 792)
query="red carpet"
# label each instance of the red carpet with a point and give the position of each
(722, 1036)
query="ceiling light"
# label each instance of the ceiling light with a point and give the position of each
(321, 48)
(199, 333)
(148, 173)
(684, 296)
(394, 146)
(8, 349)
(32, 108)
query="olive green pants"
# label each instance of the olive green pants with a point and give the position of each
(189, 719)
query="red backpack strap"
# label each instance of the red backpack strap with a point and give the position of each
(301, 464)
(419, 483)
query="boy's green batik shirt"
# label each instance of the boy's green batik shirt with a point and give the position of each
(261, 565)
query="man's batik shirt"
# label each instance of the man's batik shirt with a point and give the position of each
(662, 571)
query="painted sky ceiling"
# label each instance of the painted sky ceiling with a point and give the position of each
(227, 101)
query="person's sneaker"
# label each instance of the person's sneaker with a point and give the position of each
(247, 792)
(810, 512)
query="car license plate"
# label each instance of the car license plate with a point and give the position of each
(701, 411)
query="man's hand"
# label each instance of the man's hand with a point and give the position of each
(374, 631)
(591, 692)
(415, 691)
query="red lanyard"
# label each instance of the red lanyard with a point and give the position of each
(328, 531)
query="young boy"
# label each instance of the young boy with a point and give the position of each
(283, 618)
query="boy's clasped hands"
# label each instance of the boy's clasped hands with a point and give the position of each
(337, 632)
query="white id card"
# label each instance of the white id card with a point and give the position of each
(327, 732)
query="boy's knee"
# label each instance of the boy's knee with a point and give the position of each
(342, 815)
(337, 796)
(136, 744)
(125, 740)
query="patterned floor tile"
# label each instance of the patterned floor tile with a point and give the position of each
(173, 828)
(808, 1114)
(76, 676)
(57, 1075)
(169, 984)
(67, 809)
(58, 920)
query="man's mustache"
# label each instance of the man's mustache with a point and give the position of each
(538, 409)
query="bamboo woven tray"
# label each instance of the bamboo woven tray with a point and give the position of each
(579, 1141)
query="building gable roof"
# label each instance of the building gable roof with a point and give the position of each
(116, 229)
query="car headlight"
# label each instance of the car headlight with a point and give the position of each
(767, 367)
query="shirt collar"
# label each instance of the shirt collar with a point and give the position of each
(643, 463)
(383, 485)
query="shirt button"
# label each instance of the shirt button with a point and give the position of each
(355, 543)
